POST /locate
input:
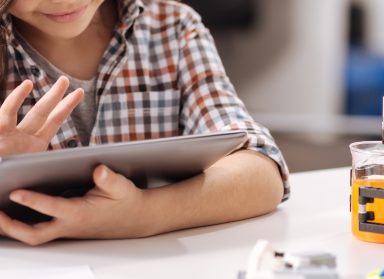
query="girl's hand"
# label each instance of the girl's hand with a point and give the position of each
(41, 123)
(111, 210)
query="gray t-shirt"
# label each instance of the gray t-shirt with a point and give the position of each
(84, 114)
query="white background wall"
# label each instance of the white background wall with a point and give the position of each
(289, 68)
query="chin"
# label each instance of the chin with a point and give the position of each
(68, 35)
(66, 32)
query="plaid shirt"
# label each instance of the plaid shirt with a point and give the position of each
(161, 76)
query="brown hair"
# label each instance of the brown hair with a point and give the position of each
(4, 5)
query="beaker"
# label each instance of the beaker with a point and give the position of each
(367, 190)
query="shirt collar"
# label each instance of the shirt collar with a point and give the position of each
(129, 11)
(6, 24)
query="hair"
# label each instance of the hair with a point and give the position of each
(4, 5)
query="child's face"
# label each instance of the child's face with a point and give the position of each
(56, 18)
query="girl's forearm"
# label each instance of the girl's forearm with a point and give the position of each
(242, 185)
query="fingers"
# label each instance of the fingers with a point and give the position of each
(30, 234)
(56, 207)
(59, 114)
(46, 117)
(11, 105)
(78, 217)
(113, 185)
(34, 119)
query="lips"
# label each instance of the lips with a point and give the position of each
(67, 16)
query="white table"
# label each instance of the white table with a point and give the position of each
(316, 217)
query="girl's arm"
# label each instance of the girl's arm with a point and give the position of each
(242, 185)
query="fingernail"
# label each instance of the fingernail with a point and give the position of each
(104, 174)
(16, 197)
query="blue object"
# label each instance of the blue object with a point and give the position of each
(364, 78)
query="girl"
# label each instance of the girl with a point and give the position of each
(149, 69)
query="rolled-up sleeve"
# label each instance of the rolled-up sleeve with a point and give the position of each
(209, 101)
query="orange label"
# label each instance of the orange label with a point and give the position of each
(377, 207)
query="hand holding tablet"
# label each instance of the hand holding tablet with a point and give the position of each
(69, 172)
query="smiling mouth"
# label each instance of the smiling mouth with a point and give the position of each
(67, 16)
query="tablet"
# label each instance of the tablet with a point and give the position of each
(148, 163)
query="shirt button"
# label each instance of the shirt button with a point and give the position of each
(35, 71)
(72, 143)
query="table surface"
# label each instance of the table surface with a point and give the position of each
(316, 217)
